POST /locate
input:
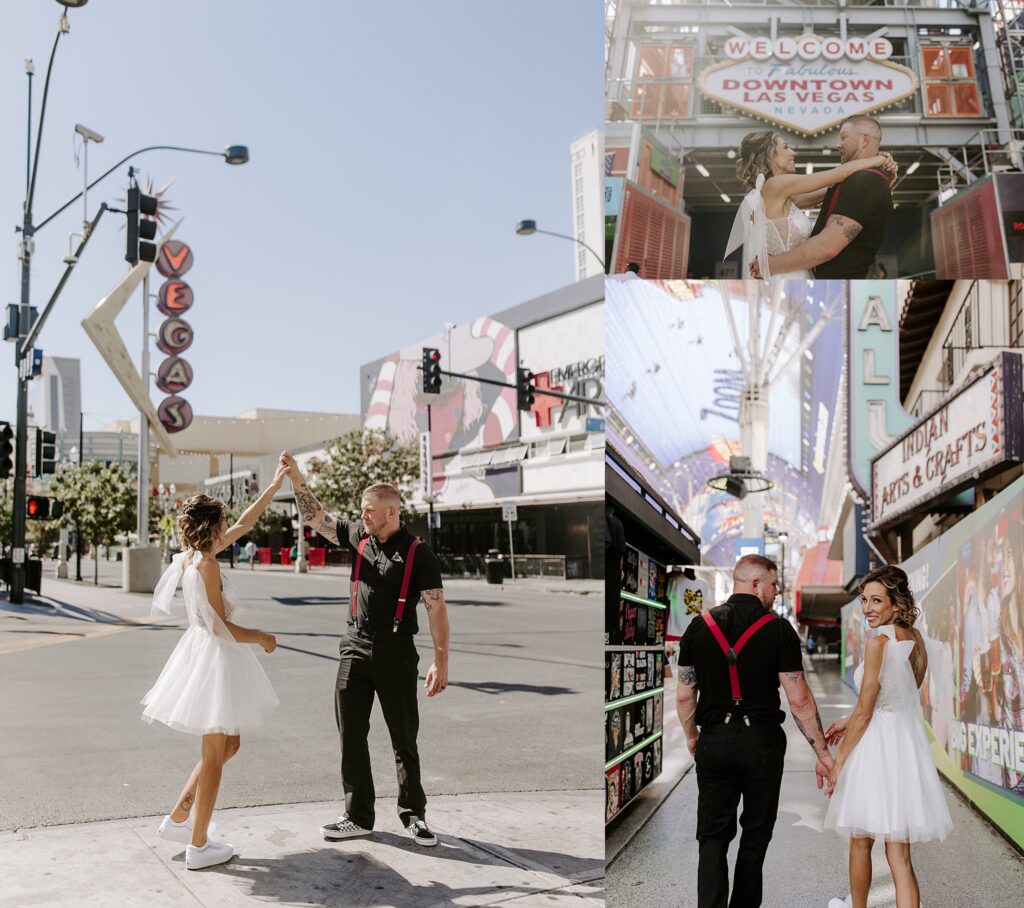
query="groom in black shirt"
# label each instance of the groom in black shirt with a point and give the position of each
(853, 217)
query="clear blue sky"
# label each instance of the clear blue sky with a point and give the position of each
(394, 146)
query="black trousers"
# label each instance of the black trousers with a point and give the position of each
(384, 664)
(736, 761)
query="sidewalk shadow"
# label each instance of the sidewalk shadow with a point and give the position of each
(359, 879)
(501, 687)
(57, 608)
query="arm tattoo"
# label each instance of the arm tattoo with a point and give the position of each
(803, 731)
(794, 676)
(849, 228)
(308, 505)
(688, 675)
(432, 597)
(329, 530)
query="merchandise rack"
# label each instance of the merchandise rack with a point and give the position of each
(645, 537)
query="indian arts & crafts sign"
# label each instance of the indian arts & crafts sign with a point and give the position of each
(808, 84)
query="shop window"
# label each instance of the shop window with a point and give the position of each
(950, 89)
(937, 102)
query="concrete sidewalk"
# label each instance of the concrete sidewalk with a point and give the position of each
(522, 849)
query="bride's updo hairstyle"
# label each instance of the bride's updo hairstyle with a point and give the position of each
(756, 152)
(895, 581)
(199, 522)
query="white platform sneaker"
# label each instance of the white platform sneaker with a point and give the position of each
(213, 852)
(179, 832)
(841, 903)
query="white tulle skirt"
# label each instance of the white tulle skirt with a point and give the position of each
(889, 788)
(210, 685)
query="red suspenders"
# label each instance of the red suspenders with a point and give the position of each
(406, 577)
(732, 652)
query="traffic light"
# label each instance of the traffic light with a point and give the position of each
(46, 453)
(39, 507)
(431, 370)
(525, 388)
(6, 450)
(140, 228)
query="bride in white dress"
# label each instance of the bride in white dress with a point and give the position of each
(771, 218)
(884, 777)
(212, 685)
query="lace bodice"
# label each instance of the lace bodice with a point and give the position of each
(897, 684)
(193, 590)
(788, 232)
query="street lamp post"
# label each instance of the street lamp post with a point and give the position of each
(526, 228)
(234, 154)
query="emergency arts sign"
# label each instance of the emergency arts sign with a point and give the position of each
(807, 84)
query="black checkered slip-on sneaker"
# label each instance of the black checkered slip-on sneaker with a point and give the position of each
(420, 832)
(343, 828)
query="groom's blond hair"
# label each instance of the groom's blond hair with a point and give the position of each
(865, 125)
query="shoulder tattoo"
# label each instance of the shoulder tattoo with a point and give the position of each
(849, 228)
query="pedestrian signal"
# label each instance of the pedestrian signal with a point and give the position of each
(39, 507)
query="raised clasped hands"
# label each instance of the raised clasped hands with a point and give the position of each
(290, 467)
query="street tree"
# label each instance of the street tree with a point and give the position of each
(99, 500)
(359, 459)
(269, 525)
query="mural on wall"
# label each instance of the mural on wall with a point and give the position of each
(466, 415)
(969, 585)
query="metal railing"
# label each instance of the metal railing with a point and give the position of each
(988, 151)
(981, 323)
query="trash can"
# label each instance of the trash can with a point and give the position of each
(494, 566)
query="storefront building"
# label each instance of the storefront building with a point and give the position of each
(486, 454)
(935, 472)
(687, 80)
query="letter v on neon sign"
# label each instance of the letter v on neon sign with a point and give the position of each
(99, 325)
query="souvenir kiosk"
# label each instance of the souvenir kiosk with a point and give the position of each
(644, 537)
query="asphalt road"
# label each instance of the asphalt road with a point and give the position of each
(525, 684)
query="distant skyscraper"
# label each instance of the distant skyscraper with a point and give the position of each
(57, 398)
(587, 202)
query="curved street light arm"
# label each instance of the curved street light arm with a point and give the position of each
(39, 133)
(565, 236)
(71, 201)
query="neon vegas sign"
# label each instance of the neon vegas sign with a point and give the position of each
(808, 47)
(807, 84)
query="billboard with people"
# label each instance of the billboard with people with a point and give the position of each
(969, 585)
